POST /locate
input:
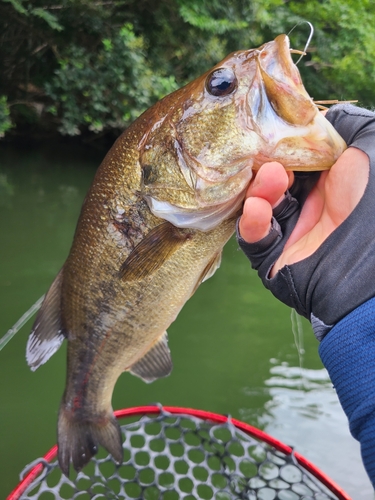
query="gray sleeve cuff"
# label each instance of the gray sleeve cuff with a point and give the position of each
(319, 327)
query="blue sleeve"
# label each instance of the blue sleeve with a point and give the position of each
(348, 353)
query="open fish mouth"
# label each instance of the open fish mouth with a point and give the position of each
(282, 83)
(295, 132)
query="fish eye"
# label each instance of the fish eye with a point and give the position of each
(221, 82)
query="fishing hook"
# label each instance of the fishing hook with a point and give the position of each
(308, 40)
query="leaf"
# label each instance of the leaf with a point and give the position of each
(18, 6)
(49, 18)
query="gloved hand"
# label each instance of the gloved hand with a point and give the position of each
(319, 254)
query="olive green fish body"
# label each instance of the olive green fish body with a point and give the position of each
(160, 209)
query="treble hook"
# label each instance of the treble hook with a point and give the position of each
(308, 40)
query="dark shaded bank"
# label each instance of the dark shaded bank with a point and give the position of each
(24, 138)
(86, 145)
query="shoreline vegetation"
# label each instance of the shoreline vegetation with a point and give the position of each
(85, 69)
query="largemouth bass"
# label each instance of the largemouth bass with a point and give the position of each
(153, 225)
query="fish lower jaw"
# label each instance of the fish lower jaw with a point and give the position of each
(296, 166)
(302, 155)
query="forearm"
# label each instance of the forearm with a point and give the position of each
(348, 353)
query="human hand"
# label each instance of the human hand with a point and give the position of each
(318, 255)
(330, 202)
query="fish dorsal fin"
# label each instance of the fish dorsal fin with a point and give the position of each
(47, 334)
(156, 363)
(151, 253)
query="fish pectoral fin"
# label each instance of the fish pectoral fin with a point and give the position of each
(47, 333)
(211, 268)
(151, 253)
(156, 363)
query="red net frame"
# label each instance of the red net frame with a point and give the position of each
(258, 434)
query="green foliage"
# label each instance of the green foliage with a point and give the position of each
(200, 17)
(109, 88)
(92, 65)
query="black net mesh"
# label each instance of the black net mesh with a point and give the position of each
(173, 457)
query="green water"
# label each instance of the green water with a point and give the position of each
(232, 345)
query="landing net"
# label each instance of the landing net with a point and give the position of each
(179, 453)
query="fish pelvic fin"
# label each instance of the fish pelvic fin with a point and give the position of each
(47, 333)
(79, 439)
(151, 253)
(156, 363)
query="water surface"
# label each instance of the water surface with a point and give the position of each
(232, 345)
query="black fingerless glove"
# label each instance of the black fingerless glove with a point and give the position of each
(340, 275)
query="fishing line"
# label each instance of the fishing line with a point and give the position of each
(297, 330)
(308, 40)
(23, 319)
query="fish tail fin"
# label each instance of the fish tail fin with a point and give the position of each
(79, 439)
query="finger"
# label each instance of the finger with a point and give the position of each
(255, 222)
(270, 183)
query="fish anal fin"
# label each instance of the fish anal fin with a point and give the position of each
(151, 253)
(47, 333)
(79, 438)
(156, 363)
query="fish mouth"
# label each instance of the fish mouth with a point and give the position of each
(282, 83)
(295, 133)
